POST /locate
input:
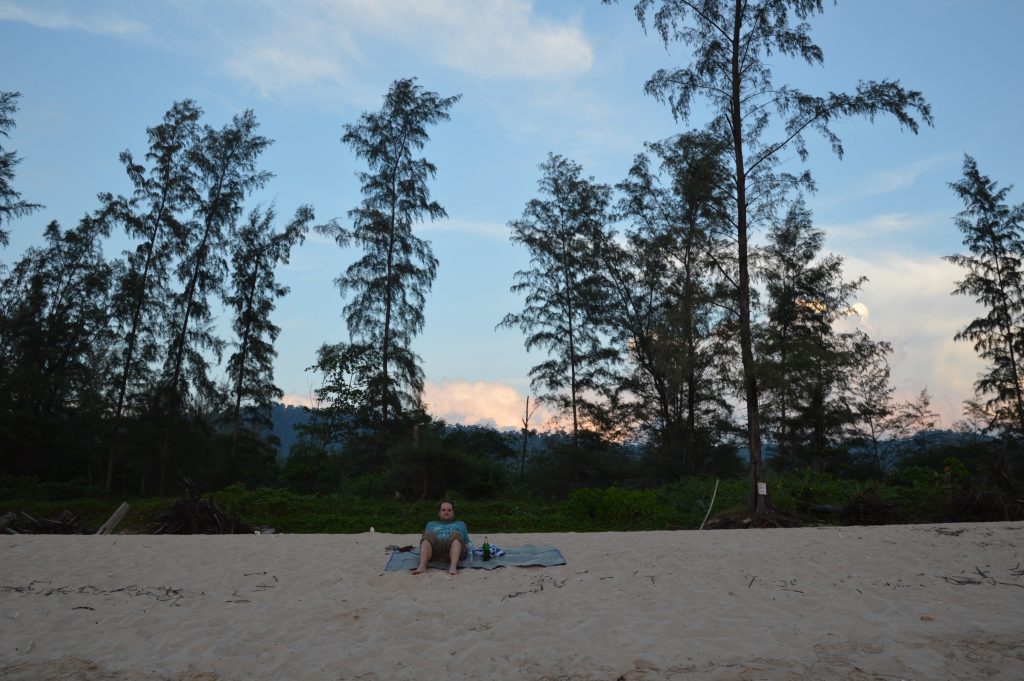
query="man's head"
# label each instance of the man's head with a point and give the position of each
(446, 509)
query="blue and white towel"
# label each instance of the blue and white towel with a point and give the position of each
(510, 556)
(495, 552)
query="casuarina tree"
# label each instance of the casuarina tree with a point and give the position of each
(11, 204)
(55, 339)
(153, 214)
(226, 172)
(257, 249)
(561, 311)
(667, 281)
(994, 276)
(390, 282)
(759, 122)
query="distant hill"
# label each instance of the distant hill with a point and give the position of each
(285, 418)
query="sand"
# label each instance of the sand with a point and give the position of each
(896, 602)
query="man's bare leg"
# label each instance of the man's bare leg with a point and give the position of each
(425, 551)
(454, 556)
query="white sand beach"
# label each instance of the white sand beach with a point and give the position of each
(897, 602)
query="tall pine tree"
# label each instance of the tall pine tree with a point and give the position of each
(390, 282)
(758, 123)
(11, 204)
(226, 173)
(55, 343)
(256, 251)
(667, 281)
(562, 289)
(156, 215)
(994, 276)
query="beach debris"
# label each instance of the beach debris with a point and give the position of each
(984, 577)
(44, 588)
(730, 520)
(19, 522)
(537, 585)
(196, 515)
(391, 548)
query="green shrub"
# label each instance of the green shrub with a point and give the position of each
(618, 507)
(689, 499)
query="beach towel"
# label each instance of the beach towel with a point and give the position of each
(521, 556)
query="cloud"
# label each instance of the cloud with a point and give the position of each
(884, 223)
(327, 46)
(296, 400)
(502, 38)
(272, 70)
(498, 38)
(35, 15)
(481, 228)
(907, 302)
(895, 179)
(480, 403)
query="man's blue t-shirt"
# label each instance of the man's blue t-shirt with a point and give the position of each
(443, 530)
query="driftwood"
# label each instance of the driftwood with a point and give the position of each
(22, 523)
(113, 520)
(710, 506)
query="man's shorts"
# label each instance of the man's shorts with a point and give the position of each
(441, 549)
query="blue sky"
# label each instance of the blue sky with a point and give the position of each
(561, 76)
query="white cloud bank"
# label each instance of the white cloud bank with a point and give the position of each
(907, 302)
(480, 403)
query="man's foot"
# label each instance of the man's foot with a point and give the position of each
(452, 570)
(419, 570)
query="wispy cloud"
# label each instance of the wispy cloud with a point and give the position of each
(480, 227)
(44, 15)
(281, 49)
(895, 179)
(885, 223)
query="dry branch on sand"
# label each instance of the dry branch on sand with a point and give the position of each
(19, 522)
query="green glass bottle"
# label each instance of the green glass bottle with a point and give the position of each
(487, 549)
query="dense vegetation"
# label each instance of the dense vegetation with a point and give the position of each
(679, 349)
(916, 495)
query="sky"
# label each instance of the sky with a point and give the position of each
(536, 77)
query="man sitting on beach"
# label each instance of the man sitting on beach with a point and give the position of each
(446, 537)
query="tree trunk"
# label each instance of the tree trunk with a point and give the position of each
(758, 498)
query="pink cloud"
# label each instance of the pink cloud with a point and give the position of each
(296, 400)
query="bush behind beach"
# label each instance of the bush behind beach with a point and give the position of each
(915, 496)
